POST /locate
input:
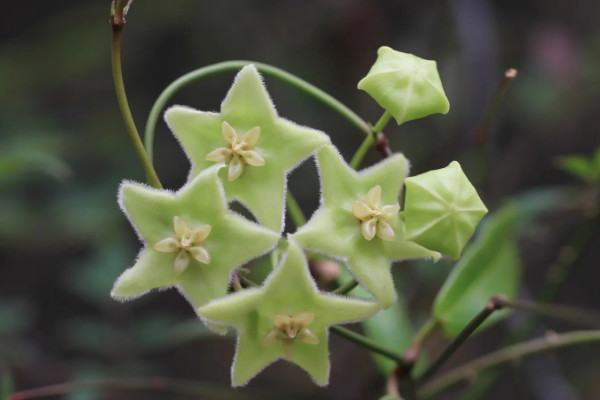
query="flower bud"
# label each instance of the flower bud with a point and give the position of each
(406, 86)
(442, 209)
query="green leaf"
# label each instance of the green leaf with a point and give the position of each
(490, 266)
(406, 86)
(578, 166)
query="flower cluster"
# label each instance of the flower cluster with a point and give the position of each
(193, 242)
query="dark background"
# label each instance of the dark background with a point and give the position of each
(64, 151)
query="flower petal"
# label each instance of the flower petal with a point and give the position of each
(167, 245)
(252, 158)
(201, 233)
(236, 168)
(304, 319)
(373, 197)
(385, 231)
(361, 210)
(228, 133)
(222, 154)
(369, 228)
(307, 336)
(250, 138)
(390, 211)
(270, 338)
(182, 261)
(200, 254)
(181, 228)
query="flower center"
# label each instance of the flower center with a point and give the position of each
(239, 151)
(287, 328)
(373, 218)
(187, 243)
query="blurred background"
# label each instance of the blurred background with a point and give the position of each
(64, 151)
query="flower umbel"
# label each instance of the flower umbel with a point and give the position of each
(287, 328)
(373, 219)
(239, 151)
(187, 243)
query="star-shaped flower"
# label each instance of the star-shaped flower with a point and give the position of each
(358, 221)
(259, 147)
(190, 239)
(286, 318)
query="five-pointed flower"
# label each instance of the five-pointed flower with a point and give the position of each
(285, 318)
(259, 147)
(188, 239)
(351, 216)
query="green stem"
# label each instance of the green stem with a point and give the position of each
(117, 29)
(504, 356)
(362, 151)
(370, 140)
(235, 65)
(493, 305)
(346, 287)
(382, 122)
(294, 210)
(556, 278)
(367, 343)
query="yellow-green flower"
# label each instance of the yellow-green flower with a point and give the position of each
(285, 318)
(358, 221)
(188, 238)
(258, 147)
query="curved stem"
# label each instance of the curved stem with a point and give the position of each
(504, 356)
(234, 65)
(362, 151)
(367, 343)
(118, 22)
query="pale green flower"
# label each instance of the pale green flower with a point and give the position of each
(188, 238)
(258, 147)
(358, 221)
(285, 318)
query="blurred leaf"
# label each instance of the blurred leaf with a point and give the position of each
(94, 279)
(532, 203)
(88, 334)
(489, 267)
(582, 167)
(31, 155)
(15, 316)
